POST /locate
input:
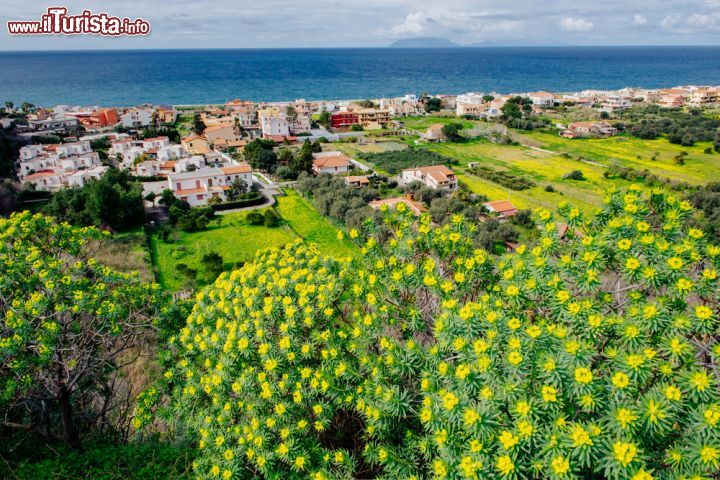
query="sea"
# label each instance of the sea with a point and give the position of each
(133, 77)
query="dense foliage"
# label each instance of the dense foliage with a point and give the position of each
(333, 199)
(260, 154)
(67, 323)
(591, 355)
(394, 161)
(517, 113)
(114, 201)
(680, 126)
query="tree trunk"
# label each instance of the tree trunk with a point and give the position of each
(72, 437)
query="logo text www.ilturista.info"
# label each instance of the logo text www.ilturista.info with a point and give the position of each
(56, 21)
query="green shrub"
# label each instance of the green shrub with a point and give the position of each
(575, 175)
(587, 356)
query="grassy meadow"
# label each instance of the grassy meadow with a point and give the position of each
(303, 219)
(233, 238)
(236, 241)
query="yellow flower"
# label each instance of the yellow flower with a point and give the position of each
(672, 393)
(709, 454)
(712, 415)
(549, 393)
(300, 462)
(675, 263)
(580, 437)
(560, 465)
(703, 312)
(505, 465)
(583, 375)
(508, 440)
(450, 401)
(642, 475)
(620, 380)
(625, 417)
(439, 467)
(624, 452)
(514, 357)
(632, 264)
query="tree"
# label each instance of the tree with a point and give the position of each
(27, 107)
(587, 356)
(237, 188)
(291, 115)
(488, 98)
(167, 197)
(303, 161)
(366, 103)
(198, 124)
(113, 201)
(285, 156)
(150, 197)
(452, 131)
(271, 219)
(254, 155)
(9, 106)
(433, 104)
(575, 175)
(213, 265)
(325, 119)
(67, 324)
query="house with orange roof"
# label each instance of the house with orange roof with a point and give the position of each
(222, 134)
(357, 181)
(434, 176)
(408, 200)
(195, 144)
(502, 209)
(331, 162)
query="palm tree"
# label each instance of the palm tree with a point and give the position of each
(9, 106)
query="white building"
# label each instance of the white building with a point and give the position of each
(82, 177)
(435, 176)
(331, 162)
(137, 118)
(542, 99)
(199, 186)
(170, 152)
(273, 123)
(65, 157)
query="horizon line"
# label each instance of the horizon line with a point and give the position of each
(385, 47)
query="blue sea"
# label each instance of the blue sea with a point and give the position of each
(130, 77)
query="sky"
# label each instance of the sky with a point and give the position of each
(377, 23)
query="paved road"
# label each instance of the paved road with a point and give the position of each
(268, 193)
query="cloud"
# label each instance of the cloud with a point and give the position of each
(459, 23)
(576, 24)
(693, 23)
(704, 21)
(640, 20)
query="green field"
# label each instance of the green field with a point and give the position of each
(237, 241)
(552, 156)
(422, 123)
(233, 238)
(636, 153)
(307, 222)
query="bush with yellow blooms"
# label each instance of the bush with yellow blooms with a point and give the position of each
(588, 355)
(67, 324)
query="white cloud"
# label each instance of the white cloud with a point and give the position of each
(704, 22)
(414, 24)
(640, 20)
(442, 23)
(576, 24)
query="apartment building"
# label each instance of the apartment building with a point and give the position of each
(199, 186)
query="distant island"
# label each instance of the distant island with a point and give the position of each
(423, 42)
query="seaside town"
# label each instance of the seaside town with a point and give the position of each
(297, 282)
(196, 160)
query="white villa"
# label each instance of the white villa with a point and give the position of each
(331, 162)
(435, 176)
(199, 186)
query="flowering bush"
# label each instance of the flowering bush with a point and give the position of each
(256, 371)
(592, 354)
(64, 322)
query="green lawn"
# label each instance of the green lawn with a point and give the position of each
(232, 238)
(636, 153)
(307, 222)
(422, 123)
